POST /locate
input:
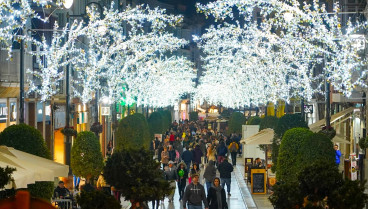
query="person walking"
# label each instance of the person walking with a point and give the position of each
(164, 157)
(233, 148)
(211, 152)
(171, 176)
(197, 154)
(187, 157)
(194, 171)
(182, 174)
(209, 174)
(221, 152)
(194, 195)
(172, 153)
(216, 197)
(225, 169)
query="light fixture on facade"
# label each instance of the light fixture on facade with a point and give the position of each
(68, 4)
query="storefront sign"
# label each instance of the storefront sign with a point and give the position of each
(105, 110)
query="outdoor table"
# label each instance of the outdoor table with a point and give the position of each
(68, 203)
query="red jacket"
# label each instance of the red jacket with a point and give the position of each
(172, 137)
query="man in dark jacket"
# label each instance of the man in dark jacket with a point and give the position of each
(171, 175)
(221, 152)
(209, 174)
(195, 195)
(225, 169)
(187, 157)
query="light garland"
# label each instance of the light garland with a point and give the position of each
(283, 52)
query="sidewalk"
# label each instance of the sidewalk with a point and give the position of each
(235, 201)
(261, 200)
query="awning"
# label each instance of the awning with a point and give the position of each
(265, 136)
(340, 139)
(59, 170)
(9, 92)
(210, 118)
(317, 126)
(30, 168)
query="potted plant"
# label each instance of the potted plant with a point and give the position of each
(96, 128)
(69, 131)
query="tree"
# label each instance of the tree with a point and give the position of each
(5, 176)
(236, 121)
(166, 117)
(291, 144)
(142, 180)
(86, 156)
(255, 120)
(155, 123)
(193, 116)
(317, 182)
(268, 122)
(28, 139)
(133, 132)
(97, 200)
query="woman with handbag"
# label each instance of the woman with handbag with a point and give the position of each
(216, 196)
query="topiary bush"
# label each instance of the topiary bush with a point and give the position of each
(155, 123)
(42, 189)
(166, 118)
(268, 122)
(86, 156)
(255, 120)
(363, 143)
(330, 132)
(316, 148)
(141, 181)
(193, 116)
(25, 138)
(236, 121)
(28, 139)
(133, 132)
(291, 145)
(287, 122)
(286, 195)
(319, 185)
(97, 200)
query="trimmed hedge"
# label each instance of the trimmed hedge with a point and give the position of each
(166, 118)
(268, 122)
(193, 116)
(299, 148)
(255, 120)
(236, 121)
(25, 138)
(96, 200)
(155, 123)
(290, 147)
(86, 159)
(287, 122)
(28, 139)
(133, 132)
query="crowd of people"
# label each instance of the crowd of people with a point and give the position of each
(189, 147)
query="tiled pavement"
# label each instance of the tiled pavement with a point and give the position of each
(235, 201)
(240, 198)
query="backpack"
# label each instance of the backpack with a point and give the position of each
(222, 151)
(233, 147)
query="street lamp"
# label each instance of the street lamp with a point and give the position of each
(68, 4)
